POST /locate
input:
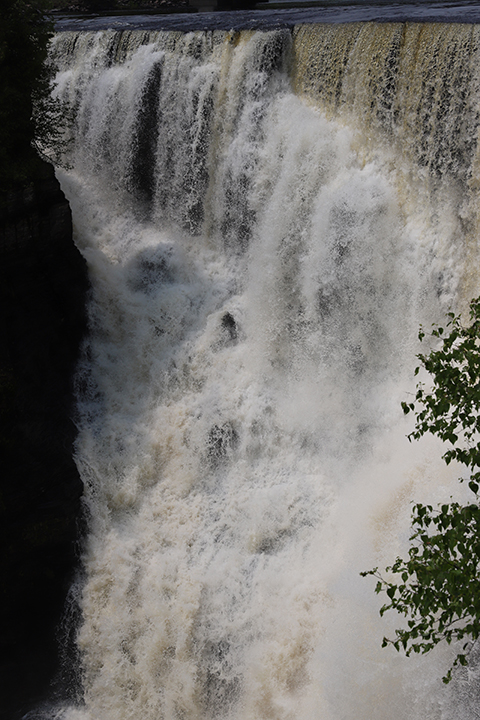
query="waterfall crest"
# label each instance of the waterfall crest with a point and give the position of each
(267, 217)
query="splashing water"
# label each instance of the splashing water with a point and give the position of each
(267, 217)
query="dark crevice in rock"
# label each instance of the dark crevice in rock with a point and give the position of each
(43, 284)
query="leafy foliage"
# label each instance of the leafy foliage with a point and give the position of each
(30, 119)
(451, 410)
(437, 590)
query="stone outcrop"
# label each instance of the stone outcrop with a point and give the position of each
(43, 284)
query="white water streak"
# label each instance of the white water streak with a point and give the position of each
(257, 288)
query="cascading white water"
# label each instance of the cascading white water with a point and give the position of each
(260, 261)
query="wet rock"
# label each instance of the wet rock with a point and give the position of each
(229, 326)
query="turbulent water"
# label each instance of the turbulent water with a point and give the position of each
(267, 217)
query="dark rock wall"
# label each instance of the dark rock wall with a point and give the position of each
(43, 284)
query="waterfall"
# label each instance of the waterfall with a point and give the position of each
(267, 218)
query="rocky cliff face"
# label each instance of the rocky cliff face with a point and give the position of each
(43, 283)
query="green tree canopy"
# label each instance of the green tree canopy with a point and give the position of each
(437, 587)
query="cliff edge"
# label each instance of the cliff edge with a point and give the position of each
(43, 285)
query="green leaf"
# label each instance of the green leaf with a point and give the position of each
(436, 588)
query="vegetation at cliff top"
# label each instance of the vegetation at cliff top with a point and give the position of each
(437, 587)
(92, 6)
(29, 117)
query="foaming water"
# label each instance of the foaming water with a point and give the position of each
(259, 267)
